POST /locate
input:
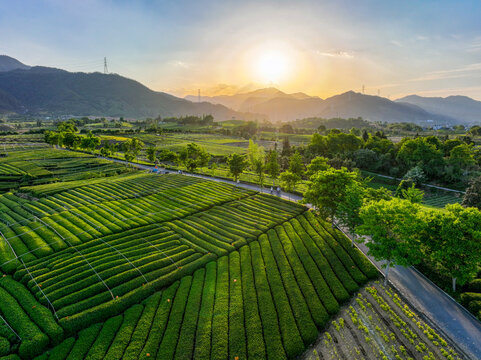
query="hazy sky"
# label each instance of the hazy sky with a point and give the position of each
(431, 48)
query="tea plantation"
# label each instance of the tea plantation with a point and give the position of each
(138, 266)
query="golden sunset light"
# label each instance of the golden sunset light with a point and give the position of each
(240, 180)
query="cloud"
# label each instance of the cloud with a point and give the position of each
(396, 43)
(470, 70)
(337, 54)
(180, 64)
(474, 47)
(422, 38)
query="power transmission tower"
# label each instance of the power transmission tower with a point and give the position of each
(363, 89)
(198, 95)
(106, 69)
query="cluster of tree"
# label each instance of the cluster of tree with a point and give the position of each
(444, 160)
(263, 163)
(66, 135)
(475, 130)
(246, 130)
(400, 231)
(192, 120)
(334, 123)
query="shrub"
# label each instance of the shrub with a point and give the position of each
(185, 343)
(122, 339)
(255, 340)
(272, 336)
(335, 285)
(160, 321)
(104, 338)
(317, 311)
(292, 340)
(220, 317)
(85, 340)
(323, 290)
(204, 324)
(169, 340)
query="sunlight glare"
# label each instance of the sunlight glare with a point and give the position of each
(272, 66)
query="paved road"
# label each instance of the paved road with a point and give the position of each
(450, 317)
(440, 309)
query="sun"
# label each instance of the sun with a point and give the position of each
(271, 66)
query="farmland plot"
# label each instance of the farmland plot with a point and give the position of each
(377, 324)
(268, 300)
(169, 267)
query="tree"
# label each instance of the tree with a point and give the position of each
(413, 194)
(365, 136)
(272, 165)
(151, 153)
(415, 175)
(319, 163)
(289, 180)
(296, 165)
(90, 141)
(317, 146)
(71, 140)
(256, 157)
(347, 212)
(472, 196)
(53, 137)
(286, 147)
(132, 148)
(340, 143)
(106, 150)
(420, 152)
(453, 240)
(366, 159)
(237, 164)
(213, 168)
(462, 156)
(392, 226)
(326, 189)
(67, 126)
(194, 156)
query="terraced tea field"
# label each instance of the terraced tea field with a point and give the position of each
(38, 164)
(167, 266)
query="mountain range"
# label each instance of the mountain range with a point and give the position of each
(41, 90)
(48, 91)
(457, 107)
(280, 106)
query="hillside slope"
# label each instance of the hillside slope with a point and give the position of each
(42, 90)
(461, 108)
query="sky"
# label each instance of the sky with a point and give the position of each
(319, 47)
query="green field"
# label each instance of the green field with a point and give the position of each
(31, 165)
(138, 265)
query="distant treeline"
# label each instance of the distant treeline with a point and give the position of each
(359, 122)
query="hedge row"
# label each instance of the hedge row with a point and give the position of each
(34, 341)
(267, 300)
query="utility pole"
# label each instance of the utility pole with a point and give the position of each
(106, 69)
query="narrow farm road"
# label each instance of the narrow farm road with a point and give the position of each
(440, 309)
(450, 317)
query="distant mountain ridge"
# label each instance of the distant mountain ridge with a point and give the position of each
(280, 106)
(8, 63)
(457, 106)
(48, 91)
